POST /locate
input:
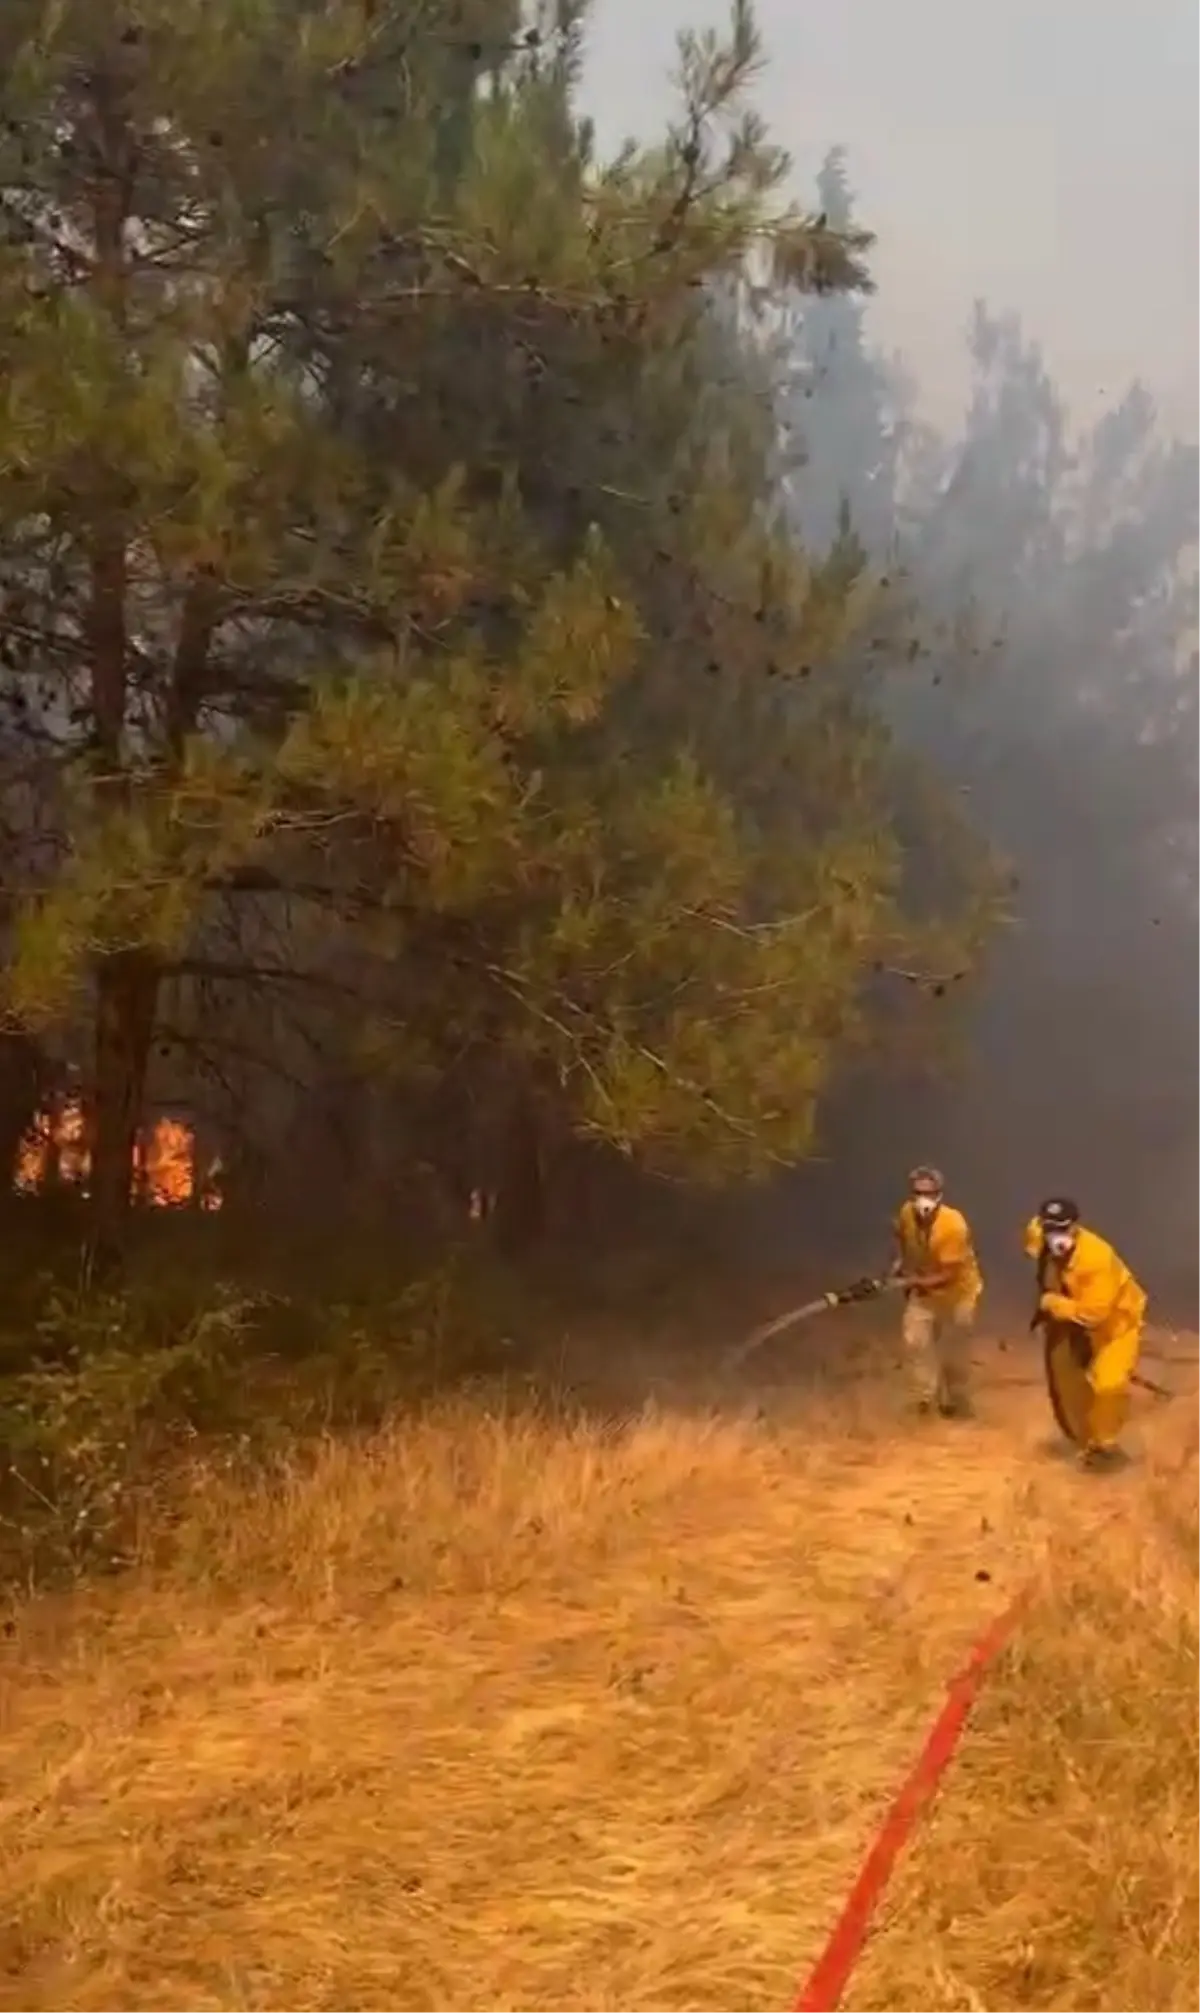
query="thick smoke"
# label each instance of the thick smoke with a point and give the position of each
(1055, 575)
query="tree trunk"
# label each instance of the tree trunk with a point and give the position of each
(521, 1200)
(127, 984)
(20, 1085)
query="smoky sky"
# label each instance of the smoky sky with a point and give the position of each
(1030, 461)
(1041, 157)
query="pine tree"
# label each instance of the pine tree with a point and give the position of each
(339, 665)
(845, 408)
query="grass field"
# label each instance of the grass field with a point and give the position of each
(503, 1709)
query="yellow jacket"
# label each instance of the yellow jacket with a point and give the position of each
(1093, 1287)
(944, 1243)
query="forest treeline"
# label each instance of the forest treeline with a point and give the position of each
(489, 659)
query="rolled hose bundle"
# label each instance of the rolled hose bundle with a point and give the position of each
(1067, 1356)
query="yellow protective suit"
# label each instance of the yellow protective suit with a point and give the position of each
(1094, 1288)
(943, 1244)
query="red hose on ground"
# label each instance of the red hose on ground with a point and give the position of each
(830, 1975)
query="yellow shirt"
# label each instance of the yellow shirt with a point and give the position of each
(944, 1243)
(1094, 1285)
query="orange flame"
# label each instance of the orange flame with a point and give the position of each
(55, 1153)
(163, 1162)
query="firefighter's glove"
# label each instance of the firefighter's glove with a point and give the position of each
(1058, 1306)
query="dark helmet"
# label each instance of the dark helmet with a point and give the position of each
(1059, 1213)
(926, 1179)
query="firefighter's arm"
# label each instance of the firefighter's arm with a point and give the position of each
(1091, 1301)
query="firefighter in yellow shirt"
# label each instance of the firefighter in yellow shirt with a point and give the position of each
(935, 1259)
(1083, 1283)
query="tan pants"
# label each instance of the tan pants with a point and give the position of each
(937, 1346)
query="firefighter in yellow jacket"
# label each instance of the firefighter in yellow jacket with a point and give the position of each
(935, 1260)
(1083, 1282)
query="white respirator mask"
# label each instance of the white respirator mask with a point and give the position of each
(925, 1206)
(1060, 1243)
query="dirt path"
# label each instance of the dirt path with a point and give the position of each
(926, 1534)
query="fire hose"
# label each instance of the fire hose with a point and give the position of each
(845, 1296)
(869, 1288)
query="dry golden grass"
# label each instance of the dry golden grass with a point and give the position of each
(496, 1710)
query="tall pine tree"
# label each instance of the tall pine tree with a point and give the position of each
(388, 561)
